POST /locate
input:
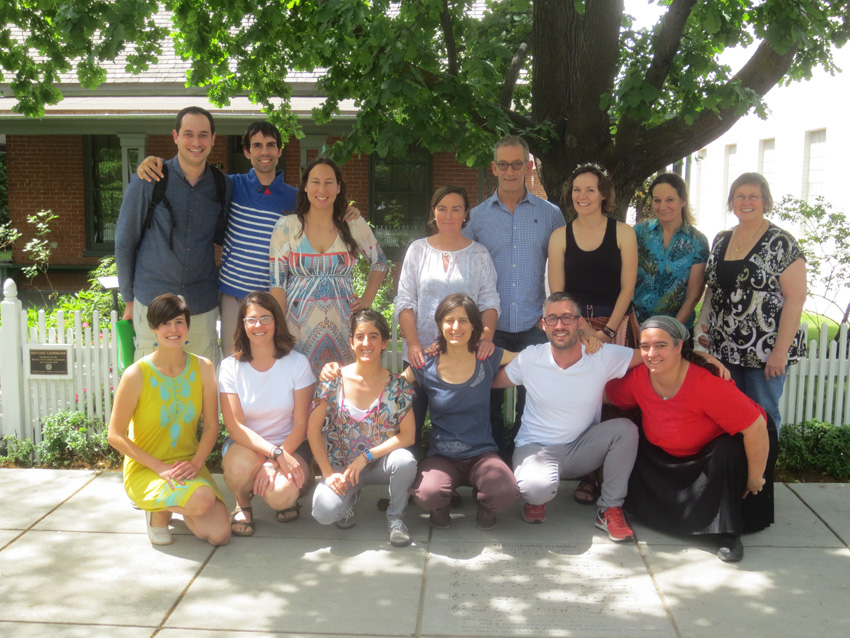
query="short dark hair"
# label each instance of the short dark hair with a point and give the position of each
(751, 179)
(194, 110)
(264, 127)
(283, 339)
(368, 315)
(557, 297)
(459, 300)
(606, 187)
(165, 308)
(678, 183)
(438, 196)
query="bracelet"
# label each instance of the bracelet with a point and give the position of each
(611, 334)
(368, 456)
(271, 465)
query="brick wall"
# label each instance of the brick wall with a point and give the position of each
(446, 171)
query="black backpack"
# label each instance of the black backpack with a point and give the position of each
(159, 196)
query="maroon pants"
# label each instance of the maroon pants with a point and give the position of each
(491, 479)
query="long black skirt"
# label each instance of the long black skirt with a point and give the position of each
(701, 494)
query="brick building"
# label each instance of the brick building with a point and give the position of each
(78, 158)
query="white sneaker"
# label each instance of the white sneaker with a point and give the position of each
(347, 521)
(399, 536)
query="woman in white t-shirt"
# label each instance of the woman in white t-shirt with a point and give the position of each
(265, 389)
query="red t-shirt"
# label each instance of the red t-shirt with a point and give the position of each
(705, 407)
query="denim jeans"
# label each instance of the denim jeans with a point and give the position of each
(514, 342)
(766, 393)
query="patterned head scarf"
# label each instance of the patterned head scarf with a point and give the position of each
(670, 325)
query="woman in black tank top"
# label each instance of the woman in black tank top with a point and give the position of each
(594, 259)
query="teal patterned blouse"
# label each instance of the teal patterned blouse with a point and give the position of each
(662, 278)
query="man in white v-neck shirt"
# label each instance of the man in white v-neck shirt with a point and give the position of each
(561, 435)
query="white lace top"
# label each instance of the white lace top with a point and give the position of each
(424, 282)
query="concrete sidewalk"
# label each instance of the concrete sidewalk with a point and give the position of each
(75, 562)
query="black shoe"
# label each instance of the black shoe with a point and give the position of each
(731, 548)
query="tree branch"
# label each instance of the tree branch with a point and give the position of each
(513, 75)
(675, 138)
(451, 44)
(667, 45)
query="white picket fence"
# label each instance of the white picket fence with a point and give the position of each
(818, 387)
(93, 368)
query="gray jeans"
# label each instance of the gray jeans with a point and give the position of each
(611, 445)
(398, 469)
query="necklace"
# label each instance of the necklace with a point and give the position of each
(677, 382)
(749, 239)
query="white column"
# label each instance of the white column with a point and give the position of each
(11, 366)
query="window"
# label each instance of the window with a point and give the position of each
(104, 190)
(767, 159)
(400, 197)
(814, 165)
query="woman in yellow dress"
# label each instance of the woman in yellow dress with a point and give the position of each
(154, 423)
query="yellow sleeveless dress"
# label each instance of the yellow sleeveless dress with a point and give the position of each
(165, 426)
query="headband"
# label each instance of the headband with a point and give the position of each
(670, 325)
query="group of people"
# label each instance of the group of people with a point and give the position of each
(475, 318)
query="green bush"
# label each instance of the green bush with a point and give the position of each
(383, 302)
(15, 452)
(71, 438)
(815, 445)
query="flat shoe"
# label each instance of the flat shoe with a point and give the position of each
(158, 535)
(587, 492)
(731, 548)
(247, 528)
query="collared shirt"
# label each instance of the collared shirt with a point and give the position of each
(253, 214)
(663, 273)
(147, 267)
(519, 245)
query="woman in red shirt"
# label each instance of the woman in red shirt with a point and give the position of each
(694, 474)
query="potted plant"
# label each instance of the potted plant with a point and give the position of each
(8, 235)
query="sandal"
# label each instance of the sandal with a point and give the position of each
(290, 514)
(587, 491)
(158, 535)
(247, 526)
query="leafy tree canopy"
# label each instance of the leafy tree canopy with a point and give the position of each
(575, 78)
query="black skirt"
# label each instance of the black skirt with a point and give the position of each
(701, 494)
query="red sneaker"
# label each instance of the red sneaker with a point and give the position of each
(613, 521)
(534, 513)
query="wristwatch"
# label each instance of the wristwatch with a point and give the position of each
(368, 455)
(276, 452)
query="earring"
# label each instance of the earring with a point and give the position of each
(187, 342)
(155, 344)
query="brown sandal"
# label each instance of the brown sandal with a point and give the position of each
(290, 514)
(587, 491)
(247, 526)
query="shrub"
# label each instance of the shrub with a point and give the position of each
(71, 438)
(15, 452)
(815, 445)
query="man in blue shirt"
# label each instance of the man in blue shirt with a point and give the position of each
(177, 253)
(515, 227)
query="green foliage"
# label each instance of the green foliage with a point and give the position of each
(8, 235)
(38, 249)
(825, 239)
(71, 438)
(815, 445)
(15, 452)
(213, 463)
(453, 76)
(383, 302)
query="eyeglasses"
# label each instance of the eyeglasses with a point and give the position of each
(747, 198)
(567, 320)
(253, 321)
(517, 165)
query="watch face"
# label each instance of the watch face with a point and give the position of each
(278, 451)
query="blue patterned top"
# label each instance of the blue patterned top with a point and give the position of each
(663, 273)
(518, 242)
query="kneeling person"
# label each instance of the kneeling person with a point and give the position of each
(561, 436)
(358, 430)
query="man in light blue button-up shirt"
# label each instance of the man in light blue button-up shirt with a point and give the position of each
(515, 226)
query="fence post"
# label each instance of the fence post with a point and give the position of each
(11, 365)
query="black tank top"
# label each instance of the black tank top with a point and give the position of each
(593, 277)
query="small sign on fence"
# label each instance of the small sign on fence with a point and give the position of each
(54, 361)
